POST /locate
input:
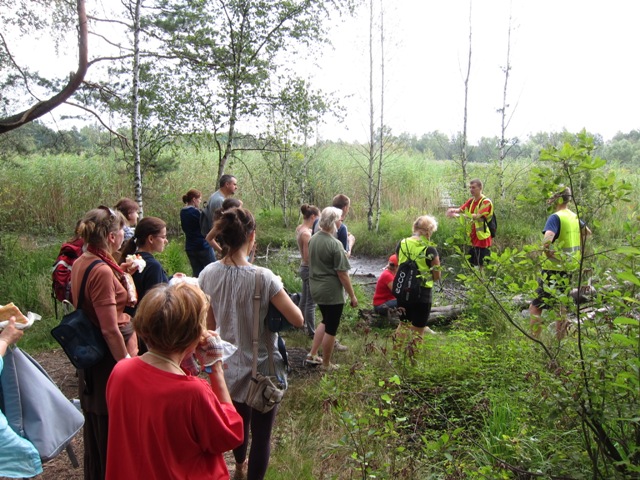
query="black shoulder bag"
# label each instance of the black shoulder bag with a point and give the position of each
(80, 339)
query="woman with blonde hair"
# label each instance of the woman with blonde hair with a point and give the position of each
(164, 423)
(419, 247)
(109, 289)
(328, 279)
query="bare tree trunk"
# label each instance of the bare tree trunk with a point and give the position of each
(135, 98)
(381, 140)
(503, 117)
(463, 146)
(371, 159)
(44, 107)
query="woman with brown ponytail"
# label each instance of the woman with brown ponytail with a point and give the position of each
(108, 291)
(310, 213)
(230, 283)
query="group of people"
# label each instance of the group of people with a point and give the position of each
(147, 412)
(151, 415)
(564, 236)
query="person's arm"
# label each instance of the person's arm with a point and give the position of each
(549, 235)
(435, 268)
(209, 353)
(345, 280)
(584, 233)
(286, 307)
(9, 336)
(108, 320)
(210, 238)
(218, 385)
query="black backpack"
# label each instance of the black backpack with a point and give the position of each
(205, 221)
(407, 282)
(492, 224)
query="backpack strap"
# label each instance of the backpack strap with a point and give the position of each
(407, 250)
(84, 282)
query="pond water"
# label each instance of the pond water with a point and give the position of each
(367, 266)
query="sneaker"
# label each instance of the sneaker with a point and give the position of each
(337, 346)
(329, 368)
(313, 360)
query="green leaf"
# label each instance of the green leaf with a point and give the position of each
(628, 250)
(623, 340)
(628, 276)
(626, 321)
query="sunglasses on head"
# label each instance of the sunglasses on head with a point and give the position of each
(112, 213)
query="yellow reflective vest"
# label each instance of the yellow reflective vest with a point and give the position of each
(566, 246)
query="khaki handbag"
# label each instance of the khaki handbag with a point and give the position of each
(265, 392)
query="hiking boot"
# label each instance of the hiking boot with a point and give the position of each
(338, 347)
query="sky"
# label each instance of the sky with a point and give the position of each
(574, 65)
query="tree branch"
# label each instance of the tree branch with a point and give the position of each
(44, 107)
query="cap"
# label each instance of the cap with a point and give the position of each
(393, 259)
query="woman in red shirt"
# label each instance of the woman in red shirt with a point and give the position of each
(164, 423)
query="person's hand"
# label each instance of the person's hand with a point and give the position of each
(452, 212)
(11, 334)
(354, 301)
(209, 350)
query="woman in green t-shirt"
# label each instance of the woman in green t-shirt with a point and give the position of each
(328, 279)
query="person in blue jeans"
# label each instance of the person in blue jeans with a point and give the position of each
(198, 249)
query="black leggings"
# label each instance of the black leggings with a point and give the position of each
(331, 317)
(261, 425)
(417, 314)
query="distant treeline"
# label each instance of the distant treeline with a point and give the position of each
(37, 138)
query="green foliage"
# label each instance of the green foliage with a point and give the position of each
(26, 281)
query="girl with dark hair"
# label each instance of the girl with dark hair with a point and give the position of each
(310, 213)
(106, 295)
(150, 237)
(198, 249)
(230, 283)
(129, 210)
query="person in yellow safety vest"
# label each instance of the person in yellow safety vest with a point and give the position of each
(419, 247)
(480, 209)
(564, 235)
